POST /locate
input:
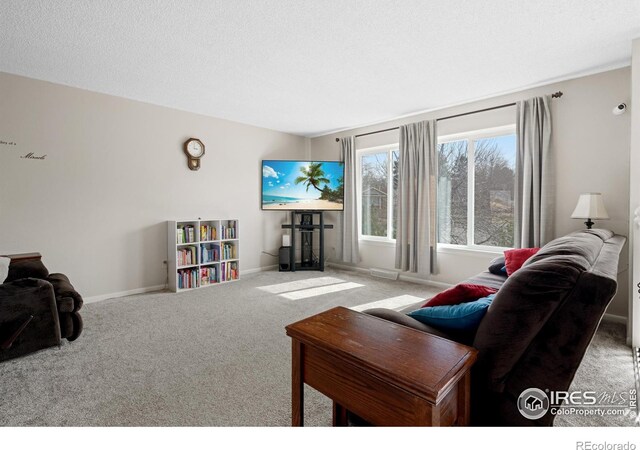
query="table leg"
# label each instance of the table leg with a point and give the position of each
(464, 402)
(297, 385)
(339, 415)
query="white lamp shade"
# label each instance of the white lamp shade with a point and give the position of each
(590, 206)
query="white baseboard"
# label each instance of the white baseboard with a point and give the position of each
(346, 267)
(614, 319)
(437, 284)
(144, 290)
(402, 277)
(97, 298)
(259, 269)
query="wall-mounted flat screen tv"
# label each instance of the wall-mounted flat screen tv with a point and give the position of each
(302, 185)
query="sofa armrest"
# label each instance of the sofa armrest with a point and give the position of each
(68, 299)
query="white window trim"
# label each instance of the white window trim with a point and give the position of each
(475, 249)
(359, 154)
(483, 133)
(471, 136)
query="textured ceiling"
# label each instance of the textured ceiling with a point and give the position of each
(310, 67)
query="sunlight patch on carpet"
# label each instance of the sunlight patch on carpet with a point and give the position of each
(300, 284)
(395, 303)
(321, 290)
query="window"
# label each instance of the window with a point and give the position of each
(378, 208)
(476, 184)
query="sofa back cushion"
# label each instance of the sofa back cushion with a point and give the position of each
(26, 269)
(554, 287)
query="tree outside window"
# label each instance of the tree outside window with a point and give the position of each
(378, 208)
(476, 184)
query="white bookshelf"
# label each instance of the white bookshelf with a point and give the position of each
(202, 253)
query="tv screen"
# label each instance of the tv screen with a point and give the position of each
(302, 185)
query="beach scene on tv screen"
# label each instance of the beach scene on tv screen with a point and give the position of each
(302, 185)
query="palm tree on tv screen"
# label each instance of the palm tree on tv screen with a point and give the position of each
(313, 175)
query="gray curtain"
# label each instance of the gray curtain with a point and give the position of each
(416, 216)
(535, 182)
(350, 251)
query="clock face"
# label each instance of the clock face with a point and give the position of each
(195, 149)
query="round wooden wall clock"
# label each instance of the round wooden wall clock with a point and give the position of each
(194, 149)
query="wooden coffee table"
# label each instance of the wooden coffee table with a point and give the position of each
(388, 374)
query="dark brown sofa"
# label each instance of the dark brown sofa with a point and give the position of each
(37, 309)
(539, 325)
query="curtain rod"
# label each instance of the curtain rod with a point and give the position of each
(554, 95)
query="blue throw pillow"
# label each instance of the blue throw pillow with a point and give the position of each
(460, 317)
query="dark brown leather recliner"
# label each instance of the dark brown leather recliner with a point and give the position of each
(37, 309)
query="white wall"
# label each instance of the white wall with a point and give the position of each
(96, 207)
(591, 150)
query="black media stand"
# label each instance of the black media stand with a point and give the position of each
(308, 261)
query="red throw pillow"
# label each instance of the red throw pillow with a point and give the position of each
(514, 259)
(460, 293)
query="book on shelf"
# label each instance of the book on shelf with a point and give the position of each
(233, 270)
(228, 251)
(228, 231)
(191, 235)
(187, 256)
(209, 254)
(229, 271)
(208, 275)
(208, 233)
(185, 234)
(180, 235)
(188, 278)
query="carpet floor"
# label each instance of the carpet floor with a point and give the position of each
(219, 356)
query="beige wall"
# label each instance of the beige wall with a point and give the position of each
(591, 150)
(634, 107)
(96, 207)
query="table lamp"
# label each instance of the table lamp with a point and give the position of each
(590, 206)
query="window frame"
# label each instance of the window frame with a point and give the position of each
(388, 239)
(471, 137)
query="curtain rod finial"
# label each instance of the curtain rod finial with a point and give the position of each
(557, 94)
(337, 139)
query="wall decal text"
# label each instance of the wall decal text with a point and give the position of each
(32, 156)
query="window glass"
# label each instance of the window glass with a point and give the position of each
(374, 194)
(452, 192)
(494, 183)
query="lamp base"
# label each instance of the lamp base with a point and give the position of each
(589, 224)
